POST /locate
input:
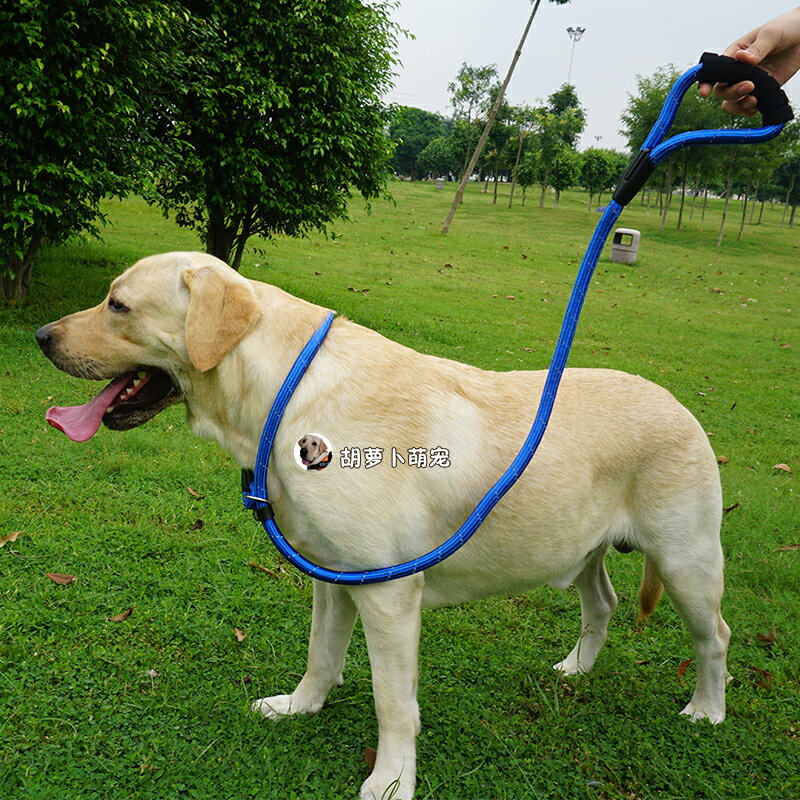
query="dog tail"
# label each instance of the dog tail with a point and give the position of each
(650, 590)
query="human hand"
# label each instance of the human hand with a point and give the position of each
(773, 46)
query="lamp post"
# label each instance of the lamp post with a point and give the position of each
(574, 34)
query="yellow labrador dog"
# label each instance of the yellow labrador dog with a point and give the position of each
(621, 463)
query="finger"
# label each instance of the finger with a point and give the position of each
(705, 89)
(746, 106)
(734, 91)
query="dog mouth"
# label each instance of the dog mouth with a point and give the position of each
(125, 403)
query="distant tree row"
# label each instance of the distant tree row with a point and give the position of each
(537, 145)
(527, 144)
(760, 173)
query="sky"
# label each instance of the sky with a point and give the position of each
(623, 39)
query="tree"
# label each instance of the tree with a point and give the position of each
(491, 118)
(274, 116)
(412, 129)
(438, 157)
(523, 121)
(557, 126)
(565, 170)
(73, 106)
(596, 171)
(471, 96)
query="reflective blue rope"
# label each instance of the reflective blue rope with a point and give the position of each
(257, 498)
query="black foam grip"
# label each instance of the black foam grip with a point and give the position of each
(772, 101)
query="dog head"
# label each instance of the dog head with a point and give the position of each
(166, 317)
(313, 449)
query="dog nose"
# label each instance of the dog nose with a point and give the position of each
(303, 452)
(44, 336)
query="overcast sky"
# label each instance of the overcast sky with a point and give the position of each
(623, 39)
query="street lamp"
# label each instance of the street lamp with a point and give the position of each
(574, 34)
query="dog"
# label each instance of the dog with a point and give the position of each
(314, 452)
(622, 463)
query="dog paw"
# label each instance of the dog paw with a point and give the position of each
(376, 789)
(281, 706)
(696, 713)
(569, 667)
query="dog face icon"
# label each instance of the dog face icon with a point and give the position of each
(313, 451)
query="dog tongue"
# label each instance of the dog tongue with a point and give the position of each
(81, 422)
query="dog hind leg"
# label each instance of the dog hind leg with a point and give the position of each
(695, 585)
(332, 620)
(598, 601)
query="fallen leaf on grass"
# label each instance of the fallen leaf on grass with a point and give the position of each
(767, 639)
(239, 634)
(763, 677)
(12, 537)
(122, 616)
(62, 580)
(197, 525)
(730, 508)
(682, 667)
(266, 570)
(193, 493)
(788, 547)
(784, 467)
(723, 460)
(370, 754)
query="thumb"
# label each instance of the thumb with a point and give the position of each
(757, 51)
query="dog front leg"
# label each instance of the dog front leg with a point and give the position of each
(390, 614)
(332, 619)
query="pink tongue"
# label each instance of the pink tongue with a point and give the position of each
(81, 422)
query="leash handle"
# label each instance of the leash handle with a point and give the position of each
(772, 103)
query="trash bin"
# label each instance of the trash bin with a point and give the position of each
(440, 183)
(625, 245)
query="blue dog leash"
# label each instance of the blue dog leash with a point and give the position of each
(775, 112)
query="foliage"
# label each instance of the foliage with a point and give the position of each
(73, 96)
(601, 170)
(272, 117)
(438, 157)
(565, 170)
(412, 129)
(471, 91)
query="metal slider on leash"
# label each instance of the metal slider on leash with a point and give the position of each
(261, 513)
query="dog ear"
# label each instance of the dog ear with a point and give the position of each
(221, 310)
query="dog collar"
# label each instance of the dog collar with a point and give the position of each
(254, 481)
(321, 464)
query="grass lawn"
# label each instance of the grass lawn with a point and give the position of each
(154, 706)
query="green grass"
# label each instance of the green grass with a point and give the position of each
(155, 706)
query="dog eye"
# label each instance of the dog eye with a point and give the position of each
(116, 306)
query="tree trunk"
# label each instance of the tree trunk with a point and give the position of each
(791, 217)
(744, 215)
(668, 199)
(728, 191)
(544, 186)
(514, 172)
(496, 179)
(683, 190)
(558, 197)
(591, 197)
(15, 275)
(220, 235)
(489, 123)
(524, 192)
(786, 202)
(705, 203)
